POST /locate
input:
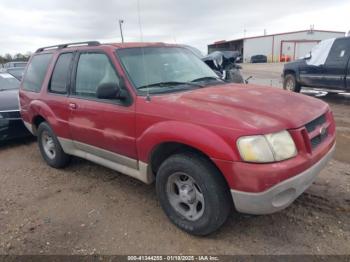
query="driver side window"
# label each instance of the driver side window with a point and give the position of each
(94, 69)
(339, 53)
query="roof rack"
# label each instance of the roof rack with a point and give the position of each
(89, 43)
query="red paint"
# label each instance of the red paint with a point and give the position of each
(209, 119)
(284, 58)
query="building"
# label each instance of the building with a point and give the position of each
(277, 46)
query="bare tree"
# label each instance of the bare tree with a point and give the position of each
(8, 57)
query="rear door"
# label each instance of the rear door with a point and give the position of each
(101, 127)
(335, 66)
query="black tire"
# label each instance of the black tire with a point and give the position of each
(57, 160)
(214, 190)
(290, 83)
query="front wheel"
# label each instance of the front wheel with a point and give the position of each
(193, 193)
(290, 83)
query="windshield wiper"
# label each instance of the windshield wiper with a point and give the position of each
(169, 84)
(205, 78)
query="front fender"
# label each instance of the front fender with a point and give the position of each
(196, 136)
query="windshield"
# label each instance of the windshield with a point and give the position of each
(319, 53)
(16, 72)
(154, 66)
(7, 81)
(20, 64)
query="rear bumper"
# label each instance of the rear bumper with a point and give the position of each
(281, 195)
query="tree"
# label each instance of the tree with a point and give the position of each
(8, 57)
(2, 60)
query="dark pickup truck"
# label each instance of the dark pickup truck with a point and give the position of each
(325, 67)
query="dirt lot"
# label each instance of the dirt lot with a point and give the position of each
(87, 209)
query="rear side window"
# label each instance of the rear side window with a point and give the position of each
(36, 72)
(61, 73)
(93, 70)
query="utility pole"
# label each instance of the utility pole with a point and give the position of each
(121, 29)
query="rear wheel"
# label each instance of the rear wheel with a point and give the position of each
(290, 83)
(50, 147)
(193, 193)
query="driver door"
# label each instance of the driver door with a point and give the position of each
(100, 127)
(336, 63)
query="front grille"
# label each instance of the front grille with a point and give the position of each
(318, 139)
(311, 127)
(10, 115)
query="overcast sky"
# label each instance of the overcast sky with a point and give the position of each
(27, 25)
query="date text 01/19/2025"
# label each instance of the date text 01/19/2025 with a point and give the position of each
(173, 258)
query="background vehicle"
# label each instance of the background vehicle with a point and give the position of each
(17, 72)
(225, 66)
(326, 67)
(11, 124)
(155, 111)
(15, 64)
(258, 59)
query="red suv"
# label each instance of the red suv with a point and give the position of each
(155, 111)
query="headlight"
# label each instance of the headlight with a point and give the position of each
(267, 148)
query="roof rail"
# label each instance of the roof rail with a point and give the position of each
(89, 43)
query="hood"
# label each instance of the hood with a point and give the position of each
(294, 64)
(249, 107)
(9, 100)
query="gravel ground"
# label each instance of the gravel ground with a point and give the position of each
(88, 209)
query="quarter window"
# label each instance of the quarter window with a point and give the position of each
(60, 76)
(94, 69)
(36, 72)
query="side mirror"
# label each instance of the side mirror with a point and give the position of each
(109, 91)
(307, 56)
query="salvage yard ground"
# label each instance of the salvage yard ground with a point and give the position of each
(86, 209)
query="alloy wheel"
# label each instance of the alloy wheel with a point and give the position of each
(185, 196)
(48, 145)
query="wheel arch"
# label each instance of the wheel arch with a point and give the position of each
(289, 72)
(191, 135)
(166, 149)
(39, 112)
(167, 138)
(292, 71)
(36, 121)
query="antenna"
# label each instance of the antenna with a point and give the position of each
(139, 20)
(121, 21)
(148, 98)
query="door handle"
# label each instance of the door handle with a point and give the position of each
(72, 106)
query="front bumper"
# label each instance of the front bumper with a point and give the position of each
(12, 128)
(281, 195)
